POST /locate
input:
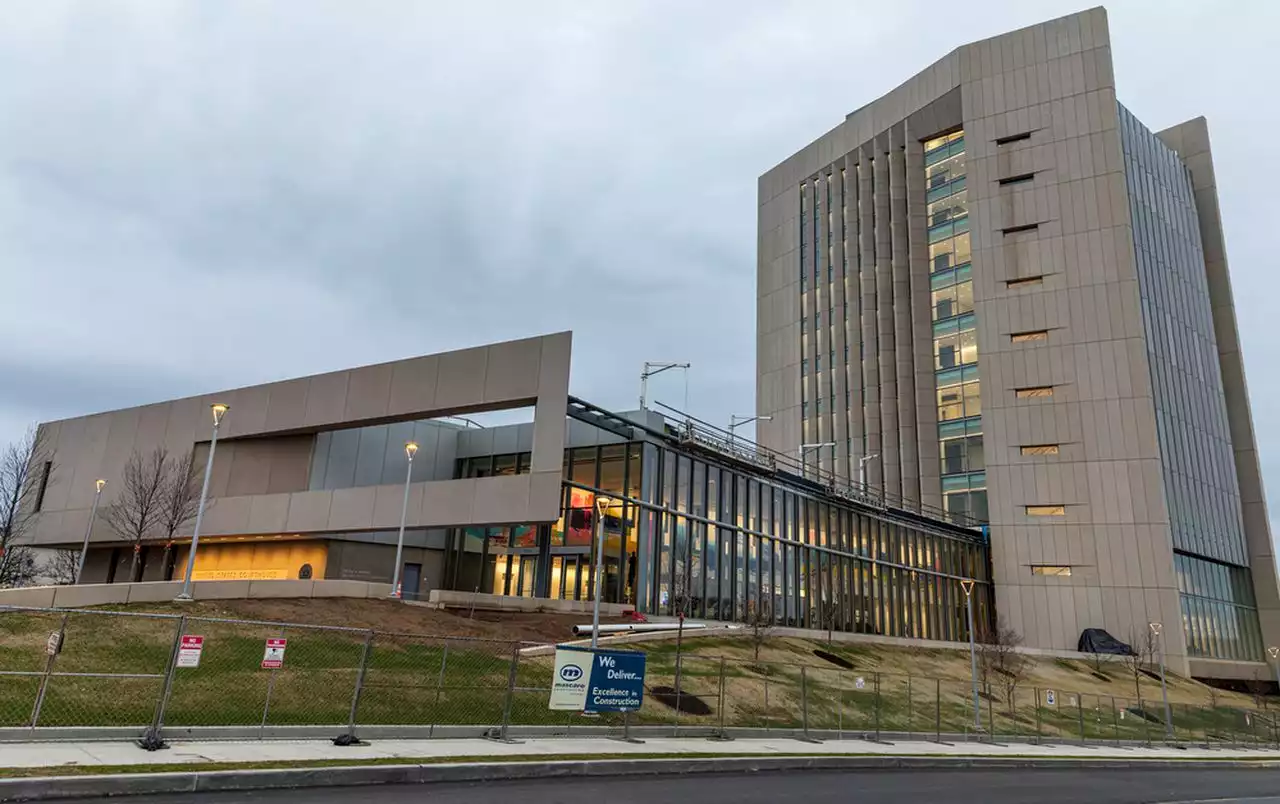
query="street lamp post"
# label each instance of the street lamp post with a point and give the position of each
(804, 448)
(736, 421)
(973, 654)
(1157, 629)
(410, 447)
(862, 468)
(600, 503)
(1274, 653)
(219, 410)
(88, 531)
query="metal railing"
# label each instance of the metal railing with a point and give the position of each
(80, 674)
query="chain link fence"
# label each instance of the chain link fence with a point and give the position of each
(84, 673)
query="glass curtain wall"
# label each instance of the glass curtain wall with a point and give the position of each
(1218, 609)
(955, 337)
(729, 544)
(681, 531)
(1201, 485)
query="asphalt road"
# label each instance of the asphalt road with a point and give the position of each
(807, 787)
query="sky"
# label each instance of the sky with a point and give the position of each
(202, 195)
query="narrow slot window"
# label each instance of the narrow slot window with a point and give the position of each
(1046, 510)
(1055, 571)
(1005, 140)
(1031, 335)
(1035, 392)
(1021, 178)
(1026, 282)
(1040, 449)
(1026, 227)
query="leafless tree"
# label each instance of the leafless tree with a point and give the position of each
(62, 568)
(1214, 694)
(159, 495)
(1142, 652)
(998, 658)
(681, 604)
(1258, 687)
(760, 622)
(138, 514)
(181, 494)
(26, 469)
(1013, 673)
(829, 614)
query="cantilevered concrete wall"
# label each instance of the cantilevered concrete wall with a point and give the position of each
(263, 454)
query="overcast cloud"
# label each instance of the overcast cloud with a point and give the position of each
(199, 195)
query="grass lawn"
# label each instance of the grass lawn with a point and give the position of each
(462, 679)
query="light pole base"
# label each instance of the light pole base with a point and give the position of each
(184, 598)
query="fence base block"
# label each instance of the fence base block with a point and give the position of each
(495, 735)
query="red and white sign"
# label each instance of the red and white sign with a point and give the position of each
(189, 650)
(273, 658)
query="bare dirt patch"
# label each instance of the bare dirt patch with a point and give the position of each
(388, 615)
(685, 702)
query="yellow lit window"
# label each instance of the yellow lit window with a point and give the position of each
(1041, 569)
(1040, 449)
(1046, 510)
(929, 145)
(1035, 392)
(1036, 335)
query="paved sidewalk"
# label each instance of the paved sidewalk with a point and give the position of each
(38, 755)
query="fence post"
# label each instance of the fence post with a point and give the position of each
(937, 710)
(1039, 728)
(439, 686)
(840, 708)
(1146, 724)
(766, 703)
(723, 735)
(152, 739)
(675, 715)
(877, 707)
(804, 700)
(511, 694)
(1013, 713)
(48, 671)
(1080, 716)
(271, 685)
(991, 715)
(910, 711)
(350, 737)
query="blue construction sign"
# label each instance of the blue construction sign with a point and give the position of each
(597, 681)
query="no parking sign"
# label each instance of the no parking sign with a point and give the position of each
(273, 657)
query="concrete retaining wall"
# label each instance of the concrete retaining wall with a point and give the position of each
(446, 599)
(105, 594)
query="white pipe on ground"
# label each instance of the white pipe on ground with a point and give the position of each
(581, 630)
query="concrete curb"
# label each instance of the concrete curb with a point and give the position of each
(49, 788)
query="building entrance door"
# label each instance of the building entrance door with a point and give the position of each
(412, 578)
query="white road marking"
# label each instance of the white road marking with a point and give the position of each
(1258, 800)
